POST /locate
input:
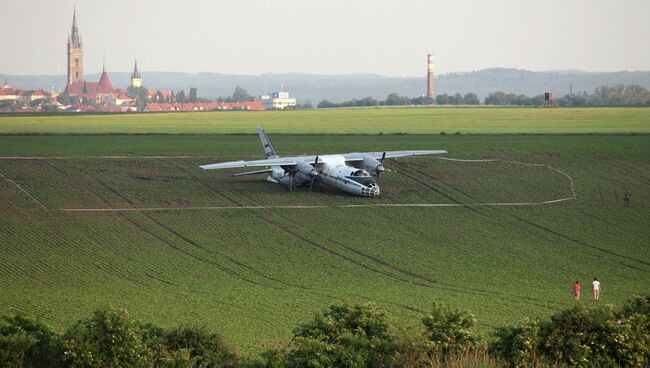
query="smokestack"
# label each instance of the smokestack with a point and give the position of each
(430, 89)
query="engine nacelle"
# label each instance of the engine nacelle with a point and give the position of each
(373, 166)
(306, 169)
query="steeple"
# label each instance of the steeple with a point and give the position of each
(136, 72)
(136, 79)
(75, 53)
(75, 39)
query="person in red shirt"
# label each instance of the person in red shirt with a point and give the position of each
(576, 290)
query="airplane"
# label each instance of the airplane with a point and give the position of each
(350, 172)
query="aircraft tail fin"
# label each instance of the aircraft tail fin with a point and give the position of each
(266, 142)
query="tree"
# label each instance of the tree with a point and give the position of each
(343, 336)
(180, 97)
(64, 99)
(110, 338)
(471, 99)
(394, 99)
(207, 348)
(442, 99)
(241, 95)
(496, 98)
(192, 98)
(450, 330)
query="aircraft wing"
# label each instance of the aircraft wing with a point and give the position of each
(254, 163)
(358, 156)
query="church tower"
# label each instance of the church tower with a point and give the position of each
(136, 79)
(75, 54)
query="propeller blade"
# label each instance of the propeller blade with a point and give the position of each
(383, 157)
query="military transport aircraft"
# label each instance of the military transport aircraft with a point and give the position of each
(350, 172)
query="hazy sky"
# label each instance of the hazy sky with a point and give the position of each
(328, 36)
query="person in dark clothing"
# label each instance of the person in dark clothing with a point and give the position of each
(628, 194)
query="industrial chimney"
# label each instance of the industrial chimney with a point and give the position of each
(430, 90)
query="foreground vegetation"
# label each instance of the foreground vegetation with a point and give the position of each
(346, 121)
(342, 336)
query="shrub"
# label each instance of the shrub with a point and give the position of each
(108, 339)
(581, 337)
(25, 341)
(207, 349)
(343, 336)
(449, 330)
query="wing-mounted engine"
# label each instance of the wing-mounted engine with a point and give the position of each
(374, 167)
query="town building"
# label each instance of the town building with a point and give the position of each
(77, 85)
(277, 100)
(136, 78)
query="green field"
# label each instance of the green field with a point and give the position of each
(254, 273)
(354, 121)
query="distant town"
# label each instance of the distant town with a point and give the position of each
(81, 95)
(477, 88)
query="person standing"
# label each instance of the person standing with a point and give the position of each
(595, 286)
(576, 290)
(628, 194)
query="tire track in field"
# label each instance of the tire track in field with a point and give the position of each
(166, 242)
(17, 186)
(204, 183)
(432, 283)
(583, 243)
(232, 260)
(329, 251)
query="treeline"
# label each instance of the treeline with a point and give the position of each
(619, 95)
(392, 99)
(343, 336)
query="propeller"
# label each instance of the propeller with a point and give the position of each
(311, 182)
(380, 168)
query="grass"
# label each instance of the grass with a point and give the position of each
(346, 121)
(253, 274)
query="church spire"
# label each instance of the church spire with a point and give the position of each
(136, 72)
(75, 39)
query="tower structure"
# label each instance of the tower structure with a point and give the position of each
(136, 78)
(430, 77)
(75, 54)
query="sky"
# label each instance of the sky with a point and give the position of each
(385, 37)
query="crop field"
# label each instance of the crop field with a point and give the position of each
(346, 121)
(247, 258)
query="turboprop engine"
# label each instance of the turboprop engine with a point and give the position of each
(373, 166)
(306, 169)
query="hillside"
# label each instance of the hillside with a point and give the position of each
(253, 273)
(336, 88)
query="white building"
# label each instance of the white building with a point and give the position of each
(277, 100)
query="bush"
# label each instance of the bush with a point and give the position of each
(343, 336)
(206, 349)
(581, 337)
(108, 339)
(25, 341)
(449, 330)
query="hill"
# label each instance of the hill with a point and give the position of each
(336, 88)
(77, 235)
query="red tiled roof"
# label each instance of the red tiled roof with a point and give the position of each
(8, 92)
(105, 83)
